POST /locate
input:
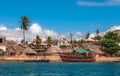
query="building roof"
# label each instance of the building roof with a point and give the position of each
(92, 40)
(14, 47)
(18, 48)
(10, 42)
(52, 49)
(10, 49)
(2, 36)
(29, 50)
(93, 47)
(82, 51)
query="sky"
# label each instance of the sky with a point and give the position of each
(57, 18)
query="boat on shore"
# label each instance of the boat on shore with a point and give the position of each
(40, 60)
(78, 56)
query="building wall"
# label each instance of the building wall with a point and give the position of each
(3, 43)
(3, 48)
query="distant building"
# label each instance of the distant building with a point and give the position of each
(3, 43)
(64, 42)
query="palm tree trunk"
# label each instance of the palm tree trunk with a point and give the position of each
(24, 36)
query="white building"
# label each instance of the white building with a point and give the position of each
(3, 43)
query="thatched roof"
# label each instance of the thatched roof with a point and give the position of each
(93, 47)
(10, 42)
(66, 50)
(52, 49)
(10, 49)
(90, 39)
(98, 51)
(13, 47)
(56, 49)
(18, 48)
(29, 50)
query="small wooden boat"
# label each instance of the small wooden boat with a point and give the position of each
(77, 56)
(41, 60)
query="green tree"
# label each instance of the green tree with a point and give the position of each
(49, 41)
(80, 42)
(97, 37)
(75, 43)
(87, 36)
(24, 25)
(38, 40)
(110, 43)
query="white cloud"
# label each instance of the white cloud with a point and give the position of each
(79, 33)
(50, 33)
(92, 35)
(85, 3)
(35, 29)
(62, 36)
(17, 29)
(94, 3)
(11, 34)
(114, 28)
(17, 34)
(2, 27)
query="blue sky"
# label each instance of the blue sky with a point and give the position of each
(62, 15)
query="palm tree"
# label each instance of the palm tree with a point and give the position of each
(75, 43)
(49, 41)
(24, 25)
(97, 32)
(80, 42)
(38, 41)
(97, 37)
(87, 36)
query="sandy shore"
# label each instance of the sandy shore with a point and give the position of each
(23, 58)
(108, 59)
(52, 59)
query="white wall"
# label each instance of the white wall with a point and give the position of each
(3, 47)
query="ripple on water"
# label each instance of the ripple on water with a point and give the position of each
(60, 69)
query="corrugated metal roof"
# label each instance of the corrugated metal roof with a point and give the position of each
(82, 51)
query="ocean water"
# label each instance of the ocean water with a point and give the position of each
(59, 69)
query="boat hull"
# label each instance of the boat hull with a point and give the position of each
(76, 57)
(78, 60)
(36, 60)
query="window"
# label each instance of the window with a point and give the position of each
(0, 40)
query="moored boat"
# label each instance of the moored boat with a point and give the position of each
(78, 56)
(40, 60)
